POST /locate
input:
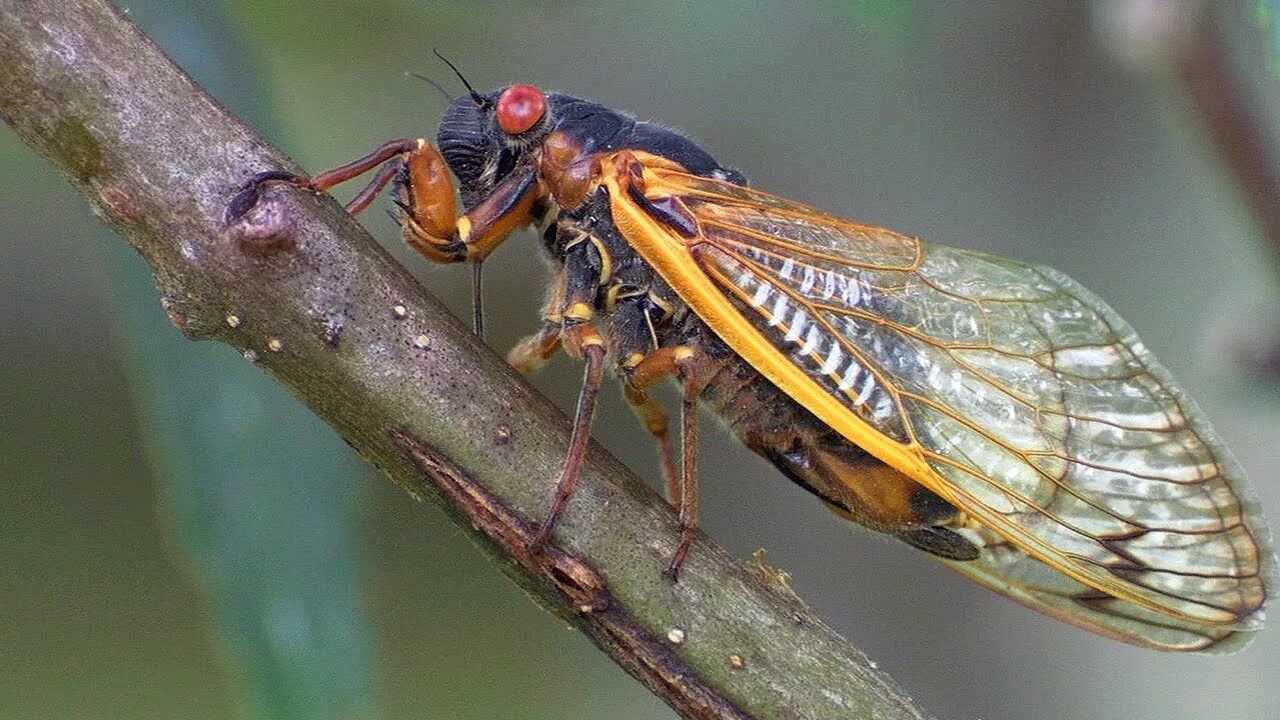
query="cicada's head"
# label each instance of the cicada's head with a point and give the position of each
(483, 137)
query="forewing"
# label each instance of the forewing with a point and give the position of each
(1007, 568)
(1101, 495)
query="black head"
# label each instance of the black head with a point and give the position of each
(482, 137)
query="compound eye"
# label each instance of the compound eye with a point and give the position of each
(520, 107)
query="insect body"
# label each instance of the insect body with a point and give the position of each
(995, 414)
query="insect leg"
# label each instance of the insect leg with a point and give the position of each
(633, 340)
(688, 465)
(581, 272)
(430, 226)
(252, 190)
(641, 374)
(375, 186)
(654, 419)
(584, 339)
(535, 350)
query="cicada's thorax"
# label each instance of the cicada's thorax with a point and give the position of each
(639, 314)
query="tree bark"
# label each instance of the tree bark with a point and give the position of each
(302, 290)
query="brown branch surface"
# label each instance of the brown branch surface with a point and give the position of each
(302, 290)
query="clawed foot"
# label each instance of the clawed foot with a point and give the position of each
(249, 195)
(682, 551)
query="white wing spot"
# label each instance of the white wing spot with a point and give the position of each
(828, 285)
(833, 360)
(798, 320)
(762, 294)
(851, 292)
(779, 307)
(931, 378)
(787, 268)
(850, 374)
(809, 279)
(867, 386)
(810, 341)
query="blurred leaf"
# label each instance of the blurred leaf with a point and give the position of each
(263, 497)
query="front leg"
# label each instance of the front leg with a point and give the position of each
(426, 197)
(428, 208)
(391, 156)
(430, 226)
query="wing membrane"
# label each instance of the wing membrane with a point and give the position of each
(1100, 494)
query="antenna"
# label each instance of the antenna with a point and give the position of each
(433, 84)
(480, 100)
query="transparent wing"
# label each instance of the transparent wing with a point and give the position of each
(1099, 493)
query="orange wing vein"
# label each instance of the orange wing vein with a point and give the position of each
(1099, 493)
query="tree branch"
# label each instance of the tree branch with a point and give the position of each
(301, 289)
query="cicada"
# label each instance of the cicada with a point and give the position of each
(992, 413)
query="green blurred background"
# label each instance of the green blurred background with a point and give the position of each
(214, 552)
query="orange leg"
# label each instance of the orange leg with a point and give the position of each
(654, 419)
(426, 198)
(393, 150)
(535, 350)
(375, 186)
(688, 467)
(580, 339)
(432, 225)
(642, 373)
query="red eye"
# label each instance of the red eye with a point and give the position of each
(520, 108)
